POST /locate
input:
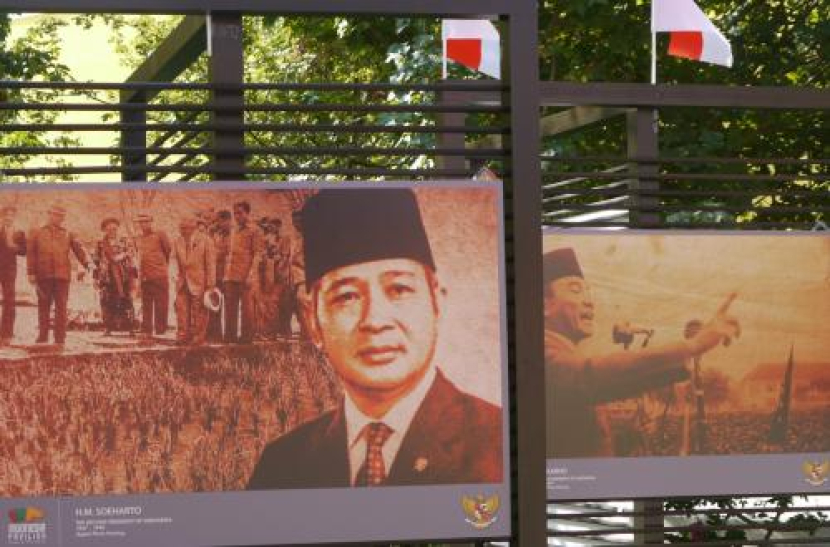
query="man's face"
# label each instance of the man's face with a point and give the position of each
(56, 219)
(8, 217)
(225, 223)
(187, 230)
(146, 226)
(378, 324)
(569, 309)
(241, 215)
(112, 229)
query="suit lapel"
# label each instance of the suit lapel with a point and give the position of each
(428, 448)
(331, 465)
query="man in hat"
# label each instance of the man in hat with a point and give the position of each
(375, 304)
(154, 251)
(244, 254)
(12, 245)
(196, 262)
(274, 300)
(48, 267)
(578, 382)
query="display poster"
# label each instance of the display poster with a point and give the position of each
(252, 363)
(686, 363)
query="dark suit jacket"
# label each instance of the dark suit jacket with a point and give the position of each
(196, 263)
(454, 438)
(574, 388)
(48, 253)
(10, 252)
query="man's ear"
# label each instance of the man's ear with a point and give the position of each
(310, 312)
(439, 293)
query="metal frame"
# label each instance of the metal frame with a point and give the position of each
(720, 96)
(522, 188)
(645, 184)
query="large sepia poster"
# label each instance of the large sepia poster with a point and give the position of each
(252, 363)
(686, 363)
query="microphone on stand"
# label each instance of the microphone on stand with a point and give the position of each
(624, 333)
(692, 328)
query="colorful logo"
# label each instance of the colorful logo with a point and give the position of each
(22, 515)
(26, 526)
(480, 511)
(816, 473)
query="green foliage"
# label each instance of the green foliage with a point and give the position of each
(312, 50)
(783, 42)
(32, 57)
(776, 43)
(733, 518)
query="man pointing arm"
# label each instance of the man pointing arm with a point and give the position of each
(578, 382)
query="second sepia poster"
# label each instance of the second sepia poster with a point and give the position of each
(686, 363)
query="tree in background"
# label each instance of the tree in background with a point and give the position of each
(312, 50)
(775, 43)
(782, 42)
(33, 57)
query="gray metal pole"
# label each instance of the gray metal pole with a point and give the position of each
(523, 187)
(134, 137)
(226, 66)
(450, 140)
(643, 143)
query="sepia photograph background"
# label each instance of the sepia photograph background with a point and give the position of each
(662, 281)
(114, 414)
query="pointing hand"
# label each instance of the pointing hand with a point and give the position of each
(720, 329)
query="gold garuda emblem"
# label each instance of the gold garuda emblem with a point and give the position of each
(480, 511)
(816, 473)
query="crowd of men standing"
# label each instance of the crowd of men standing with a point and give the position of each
(232, 278)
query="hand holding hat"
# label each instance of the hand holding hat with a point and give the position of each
(213, 299)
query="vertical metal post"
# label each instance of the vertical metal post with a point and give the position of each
(523, 189)
(450, 140)
(226, 66)
(133, 137)
(643, 143)
(648, 525)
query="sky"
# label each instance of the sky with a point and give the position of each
(103, 66)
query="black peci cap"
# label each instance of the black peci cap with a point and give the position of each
(343, 227)
(561, 263)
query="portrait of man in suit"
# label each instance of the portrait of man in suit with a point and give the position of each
(245, 248)
(154, 251)
(49, 272)
(375, 300)
(196, 263)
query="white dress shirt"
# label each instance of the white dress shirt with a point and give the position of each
(398, 418)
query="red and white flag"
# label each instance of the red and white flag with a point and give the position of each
(693, 35)
(473, 43)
